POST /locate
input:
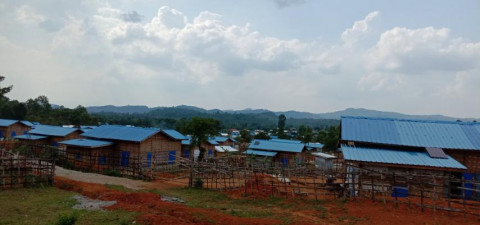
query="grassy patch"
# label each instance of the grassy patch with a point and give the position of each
(48, 205)
(119, 188)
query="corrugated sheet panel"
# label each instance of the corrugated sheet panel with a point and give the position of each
(122, 133)
(6, 123)
(286, 141)
(47, 130)
(400, 157)
(419, 133)
(212, 141)
(260, 153)
(27, 123)
(86, 143)
(324, 155)
(276, 146)
(175, 134)
(186, 142)
(315, 145)
(225, 149)
(30, 137)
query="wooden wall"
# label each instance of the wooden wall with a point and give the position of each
(89, 158)
(470, 159)
(18, 127)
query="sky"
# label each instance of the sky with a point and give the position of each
(413, 57)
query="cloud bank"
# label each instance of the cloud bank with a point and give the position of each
(97, 54)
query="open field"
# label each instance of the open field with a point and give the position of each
(145, 206)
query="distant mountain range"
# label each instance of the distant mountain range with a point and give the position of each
(138, 109)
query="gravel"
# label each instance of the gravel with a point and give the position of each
(91, 204)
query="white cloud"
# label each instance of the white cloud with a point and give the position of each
(28, 15)
(122, 57)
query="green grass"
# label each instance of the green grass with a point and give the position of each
(46, 205)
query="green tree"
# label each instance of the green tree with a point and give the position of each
(245, 136)
(4, 90)
(262, 136)
(200, 130)
(331, 140)
(281, 126)
(305, 134)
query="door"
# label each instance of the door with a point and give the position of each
(284, 161)
(1, 134)
(125, 158)
(171, 157)
(187, 154)
(149, 159)
(102, 160)
(210, 153)
(468, 183)
(14, 134)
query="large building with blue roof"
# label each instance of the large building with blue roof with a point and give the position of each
(147, 146)
(285, 152)
(12, 128)
(53, 134)
(450, 146)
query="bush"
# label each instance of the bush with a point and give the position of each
(113, 173)
(198, 183)
(67, 219)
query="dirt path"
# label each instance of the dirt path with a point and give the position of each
(102, 179)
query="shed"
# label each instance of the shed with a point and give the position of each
(323, 160)
(11, 128)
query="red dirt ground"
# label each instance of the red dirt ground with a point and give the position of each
(152, 210)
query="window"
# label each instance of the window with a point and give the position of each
(187, 154)
(1, 134)
(14, 134)
(210, 152)
(54, 144)
(78, 156)
(102, 160)
(284, 161)
(25, 132)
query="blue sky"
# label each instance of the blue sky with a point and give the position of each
(416, 57)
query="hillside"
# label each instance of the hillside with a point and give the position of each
(189, 110)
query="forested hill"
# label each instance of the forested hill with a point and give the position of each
(289, 114)
(170, 117)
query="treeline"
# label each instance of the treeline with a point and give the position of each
(171, 117)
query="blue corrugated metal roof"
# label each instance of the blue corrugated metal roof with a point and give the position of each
(315, 145)
(286, 141)
(420, 133)
(86, 143)
(276, 146)
(175, 134)
(121, 133)
(186, 142)
(400, 157)
(212, 141)
(27, 123)
(48, 130)
(6, 123)
(30, 137)
(260, 153)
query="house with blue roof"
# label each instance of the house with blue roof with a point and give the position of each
(88, 154)
(52, 135)
(11, 128)
(410, 146)
(145, 146)
(281, 152)
(455, 141)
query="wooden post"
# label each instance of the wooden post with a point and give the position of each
(373, 189)
(463, 195)
(315, 188)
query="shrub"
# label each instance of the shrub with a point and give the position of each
(65, 219)
(198, 183)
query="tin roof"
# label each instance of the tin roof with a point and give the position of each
(174, 134)
(223, 139)
(314, 145)
(86, 143)
(27, 123)
(286, 141)
(225, 149)
(398, 157)
(6, 123)
(186, 142)
(260, 153)
(324, 155)
(121, 133)
(276, 146)
(30, 137)
(212, 141)
(48, 130)
(415, 133)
